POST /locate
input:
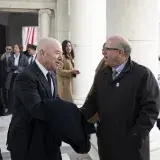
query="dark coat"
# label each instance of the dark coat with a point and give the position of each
(41, 122)
(128, 107)
(23, 63)
(2, 107)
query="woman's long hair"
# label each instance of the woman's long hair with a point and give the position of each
(64, 44)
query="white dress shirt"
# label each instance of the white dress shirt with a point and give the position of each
(16, 61)
(44, 71)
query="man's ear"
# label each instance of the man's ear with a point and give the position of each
(42, 52)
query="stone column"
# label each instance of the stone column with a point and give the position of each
(138, 21)
(44, 22)
(87, 31)
(62, 20)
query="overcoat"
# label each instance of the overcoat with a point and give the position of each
(128, 107)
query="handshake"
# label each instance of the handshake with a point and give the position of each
(69, 125)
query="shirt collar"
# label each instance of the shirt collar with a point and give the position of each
(17, 55)
(34, 55)
(42, 68)
(120, 68)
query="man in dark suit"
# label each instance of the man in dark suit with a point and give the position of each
(32, 53)
(26, 53)
(126, 96)
(41, 120)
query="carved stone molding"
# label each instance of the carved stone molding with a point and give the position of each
(42, 11)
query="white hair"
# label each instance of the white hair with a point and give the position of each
(122, 44)
(45, 42)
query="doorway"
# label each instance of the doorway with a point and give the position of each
(2, 38)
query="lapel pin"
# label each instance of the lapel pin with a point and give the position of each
(117, 84)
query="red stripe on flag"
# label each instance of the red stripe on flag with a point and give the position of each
(27, 35)
(32, 41)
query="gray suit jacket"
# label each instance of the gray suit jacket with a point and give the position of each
(23, 63)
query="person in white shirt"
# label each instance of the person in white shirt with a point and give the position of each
(16, 63)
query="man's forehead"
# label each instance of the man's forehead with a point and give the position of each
(54, 46)
(109, 43)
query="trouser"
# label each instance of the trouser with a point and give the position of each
(11, 93)
(17, 156)
(1, 155)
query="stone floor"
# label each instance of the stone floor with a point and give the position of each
(67, 152)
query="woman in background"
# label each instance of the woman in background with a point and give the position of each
(66, 72)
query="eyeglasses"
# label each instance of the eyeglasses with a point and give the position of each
(111, 49)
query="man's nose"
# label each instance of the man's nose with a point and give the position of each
(60, 57)
(104, 52)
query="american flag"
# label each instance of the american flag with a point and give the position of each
(29, 35)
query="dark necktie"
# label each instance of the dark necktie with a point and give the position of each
(49, 79)
(114, 74)
(31, 60)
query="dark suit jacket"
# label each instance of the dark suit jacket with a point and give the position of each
(23, 63)
(2, 109)
(40, 122)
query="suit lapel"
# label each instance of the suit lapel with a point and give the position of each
(41, 78)
(44, 82)
(126, 69)
(55, 84)
(20, 59)
(12, 59)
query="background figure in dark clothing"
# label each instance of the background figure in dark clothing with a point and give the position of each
(2, 108)
(5, 56)
(26, 53)
(16, 63)
(32, 53)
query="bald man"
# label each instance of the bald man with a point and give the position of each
(126, 96)
(41, 120)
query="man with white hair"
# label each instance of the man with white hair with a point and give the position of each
(41, 120)
(126, 96)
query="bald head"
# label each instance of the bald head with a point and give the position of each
(120, 43)
(49, 52)
(44, 43)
